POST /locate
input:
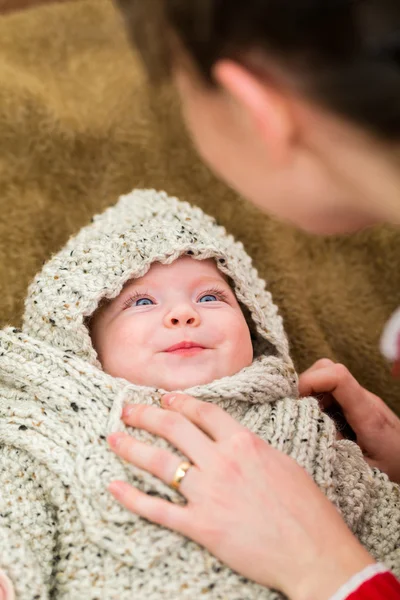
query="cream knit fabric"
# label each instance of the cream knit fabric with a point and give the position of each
(62, 535)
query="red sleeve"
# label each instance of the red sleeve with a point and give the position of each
(383, 586)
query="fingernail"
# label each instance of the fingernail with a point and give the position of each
(115, 440)
(168, 399)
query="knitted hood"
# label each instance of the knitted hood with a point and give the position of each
(121, 244)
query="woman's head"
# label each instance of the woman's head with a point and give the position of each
(295, 103)
(143, 335)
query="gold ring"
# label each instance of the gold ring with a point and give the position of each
(180, 475)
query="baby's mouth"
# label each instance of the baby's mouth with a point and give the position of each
(185, 349)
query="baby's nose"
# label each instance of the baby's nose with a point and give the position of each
(182, 317)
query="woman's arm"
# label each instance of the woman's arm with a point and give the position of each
(248, 504)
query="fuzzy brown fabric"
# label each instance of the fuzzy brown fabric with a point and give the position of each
(13, 5)
(79, 126)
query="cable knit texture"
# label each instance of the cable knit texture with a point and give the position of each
(62, 535)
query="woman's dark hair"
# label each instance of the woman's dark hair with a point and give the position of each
(343, 54)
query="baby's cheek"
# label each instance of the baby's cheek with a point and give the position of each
(117, 351)
(245, 352)
(241, 344)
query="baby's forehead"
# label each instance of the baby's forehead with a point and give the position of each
(185, 269)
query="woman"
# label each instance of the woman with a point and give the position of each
(296, 105)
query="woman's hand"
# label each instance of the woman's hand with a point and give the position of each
(377, 428)
(248, 504)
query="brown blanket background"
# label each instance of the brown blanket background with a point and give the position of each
(79, 126)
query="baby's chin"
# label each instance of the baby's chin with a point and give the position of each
(178, 373)
(181, 374)
(184, 378)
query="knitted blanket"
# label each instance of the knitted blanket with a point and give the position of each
(79, 126)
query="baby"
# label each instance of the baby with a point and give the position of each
(178, 326)
(152, 296)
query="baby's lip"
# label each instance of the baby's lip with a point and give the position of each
(184, 346)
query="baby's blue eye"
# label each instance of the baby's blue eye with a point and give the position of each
(208, 298)
(144, 302)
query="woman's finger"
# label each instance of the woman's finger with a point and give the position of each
(307, 377)
(211, 419)
(174, 428)
(323, 380)
(322, 363)
(153, 509)
(338, 381)
(157, 461)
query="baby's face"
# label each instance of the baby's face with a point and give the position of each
(186, 303)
